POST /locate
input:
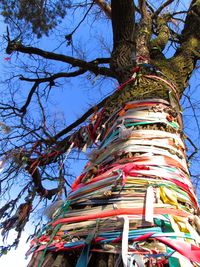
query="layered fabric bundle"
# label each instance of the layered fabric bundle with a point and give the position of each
(134, 198)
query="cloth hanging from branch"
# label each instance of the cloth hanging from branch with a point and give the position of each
(137, 187)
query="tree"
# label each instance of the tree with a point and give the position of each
(142, 34)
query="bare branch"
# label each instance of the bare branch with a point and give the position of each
(65, 74)
(51, 79)
(161, 7)
(75, 62)
(54, 76)
(35, 174)
(144, 34)
(195, 149)
(68, 37)
(105, 7)
(187, 54)
(28, 100)
(81, 119)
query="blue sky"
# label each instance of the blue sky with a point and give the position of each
(83, 96)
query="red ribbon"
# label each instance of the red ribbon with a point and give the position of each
(122, 211)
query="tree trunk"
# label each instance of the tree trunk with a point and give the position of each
(134, 204)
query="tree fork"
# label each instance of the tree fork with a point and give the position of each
(146, 184)
(134, 195)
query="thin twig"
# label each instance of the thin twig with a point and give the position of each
(195, 149)
(157, 12)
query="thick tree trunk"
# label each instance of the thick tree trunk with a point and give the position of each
(124, 44)
(134, 201)
(134, 204)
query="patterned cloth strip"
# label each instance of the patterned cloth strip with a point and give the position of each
(134, 197)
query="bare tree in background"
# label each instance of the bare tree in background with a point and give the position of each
(155, 47)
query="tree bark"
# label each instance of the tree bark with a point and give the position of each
(137, 181)
(123, 24)
(163, 100)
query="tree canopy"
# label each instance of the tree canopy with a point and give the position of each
(70, 46)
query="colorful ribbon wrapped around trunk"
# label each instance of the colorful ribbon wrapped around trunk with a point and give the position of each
(135, 192)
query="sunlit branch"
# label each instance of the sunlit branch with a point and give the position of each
(105, 7)
(163, 33)
(143, 7)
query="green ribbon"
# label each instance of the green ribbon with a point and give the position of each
(45, 250)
